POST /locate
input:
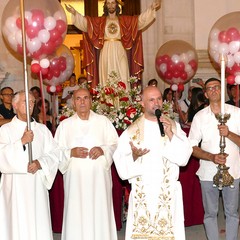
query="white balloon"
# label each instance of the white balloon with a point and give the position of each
(184, 58)
(230, 61)
(237, 79)
(28, 16)
(163, 67)
(11, 24)
(44, 63)
(12, 41)
(52, 89)
(33, 45)
(237, 57)
(44, 35)
(223, 48)
(49, 23)
(174, 87)
(190, 55)
(18, 36)
(175, 58)
(214, 34)
(214, 45)
(234, 46)
(187, 68)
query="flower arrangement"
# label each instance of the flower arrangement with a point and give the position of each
(120, 105)
(167, 109)
(66, 112)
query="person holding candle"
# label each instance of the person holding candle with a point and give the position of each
(24, 201)
(205, 129)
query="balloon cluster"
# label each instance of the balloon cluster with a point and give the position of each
(56, 70)
(44, 34)
(224, 41)
(176, 63)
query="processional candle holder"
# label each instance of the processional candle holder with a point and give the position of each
(222, 177)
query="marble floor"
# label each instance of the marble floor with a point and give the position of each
(192, 233)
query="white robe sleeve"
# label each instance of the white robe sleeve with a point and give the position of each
(127, 168)
(49, 159)
(13, 157)
(64, 152)
(179, 149)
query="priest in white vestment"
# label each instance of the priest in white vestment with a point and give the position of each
(151, 164)
(87, 142)
(24, 201)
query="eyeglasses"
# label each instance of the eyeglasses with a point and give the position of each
(7, 94)
(215, 88)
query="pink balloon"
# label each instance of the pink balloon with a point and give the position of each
(44, 71)
(35, 68)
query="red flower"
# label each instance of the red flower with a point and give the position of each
(93, 91)
(131, 111)
(109, 104)
(122, 85)
(127, 121)
(62, 118)
(124, 99)
(109, 91)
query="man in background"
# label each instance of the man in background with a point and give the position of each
(6, 109)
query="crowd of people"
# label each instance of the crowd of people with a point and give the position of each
(84, 148)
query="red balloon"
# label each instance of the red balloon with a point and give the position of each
(61, 26)
(168, 75)
(170, 66)
(49, 75)
(37, 18)
(176, 74)
(183, 76)
(223, 38)
(58, 42)
(19, 23)
(158, 61)
(56, 73)
(48, 48)
(37, 54)
(54, 35)
(193, 64)
(166, 58)
(233, 34)
(32, 31)
(62, 66)
(44, 71)
(35, 68)
(180, 66)
(58, 88)
(180, 87)
(48, 89)
(231, 79)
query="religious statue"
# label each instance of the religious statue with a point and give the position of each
(113, 42)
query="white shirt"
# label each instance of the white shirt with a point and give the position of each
(204, 128)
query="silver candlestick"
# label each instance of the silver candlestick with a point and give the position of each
(222, 177)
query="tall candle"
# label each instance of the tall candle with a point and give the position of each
(222, 84)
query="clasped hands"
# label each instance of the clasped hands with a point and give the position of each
(82, 152)
(70, 9)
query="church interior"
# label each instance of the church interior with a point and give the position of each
(189, 21)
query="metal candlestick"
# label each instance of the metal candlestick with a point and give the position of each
(222, 177)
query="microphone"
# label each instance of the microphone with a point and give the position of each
(158, 115)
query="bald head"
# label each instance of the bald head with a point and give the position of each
(151, 100)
